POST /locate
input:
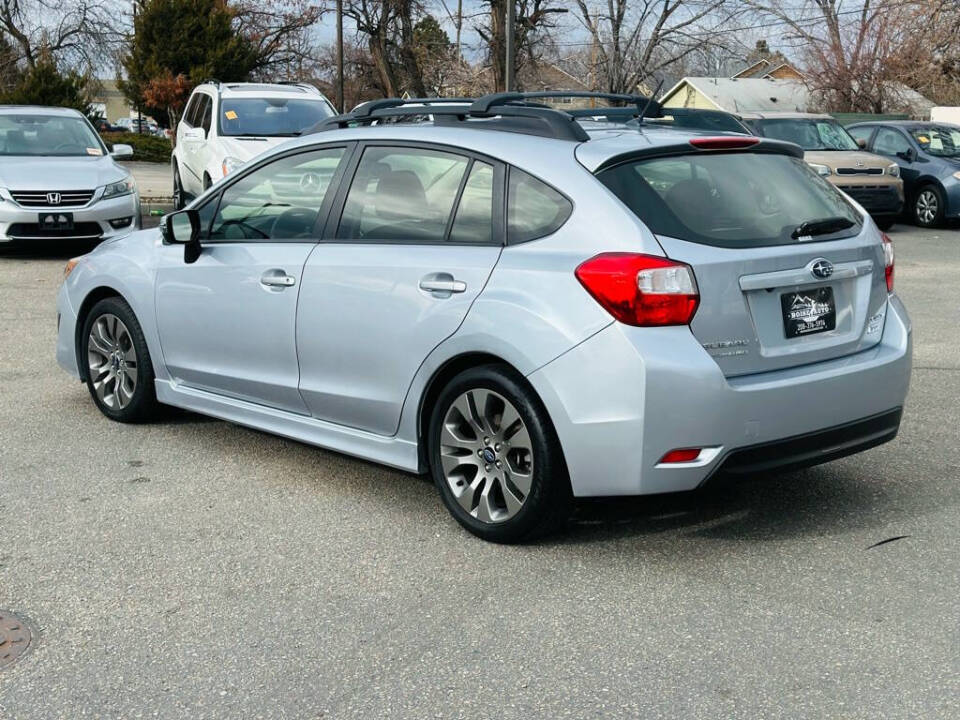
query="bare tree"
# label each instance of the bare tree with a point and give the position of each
(534, 21)
(855, 57)
(80, 32)
(633, 40)
(279, 30)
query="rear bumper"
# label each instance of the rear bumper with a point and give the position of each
(811, 448)
(624, 398)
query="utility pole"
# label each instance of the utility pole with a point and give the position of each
(340, 107)
(511, 50)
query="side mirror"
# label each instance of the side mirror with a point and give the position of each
(183, 228)
(121, 151)
(195, 133)
(908, 155)
(861, 143)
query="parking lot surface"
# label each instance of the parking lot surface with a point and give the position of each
(192, 568)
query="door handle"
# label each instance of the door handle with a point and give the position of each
(436, 285)
(277, 278)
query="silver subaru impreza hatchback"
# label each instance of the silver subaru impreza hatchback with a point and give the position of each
(529, 306)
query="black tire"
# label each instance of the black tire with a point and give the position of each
(885, 223)
(141, 404)
(921, 206)
(548, 503)
(179, 201)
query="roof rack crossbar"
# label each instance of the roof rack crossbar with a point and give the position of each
(484, 103)
(554, 123)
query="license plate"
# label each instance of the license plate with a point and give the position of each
(55, 221)
(808, 312)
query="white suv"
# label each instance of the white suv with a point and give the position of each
(226, 124)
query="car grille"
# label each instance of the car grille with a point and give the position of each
(859, 171)
(875, 198)
(33, 231)
(38, 198)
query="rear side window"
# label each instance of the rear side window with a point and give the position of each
(534, 209)
(732, 200)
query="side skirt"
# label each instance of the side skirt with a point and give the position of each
(392, 451)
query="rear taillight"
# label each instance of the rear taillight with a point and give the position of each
(641, 290)
(888, 260)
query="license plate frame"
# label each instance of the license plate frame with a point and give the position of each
(808, 312)
(55, 221)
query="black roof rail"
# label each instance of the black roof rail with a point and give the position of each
(641, 102)
(511, 117)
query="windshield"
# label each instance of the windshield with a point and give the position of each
(53, 135)
(733, 200)
(939, 141)
(270, 116)
(808, 134)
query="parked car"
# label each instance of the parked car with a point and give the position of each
(103, 126)
(526, 310)
(830, 150)
(59, 182)
(224, 125)
(929, 158)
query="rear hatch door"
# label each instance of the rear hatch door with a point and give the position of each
(789, 271)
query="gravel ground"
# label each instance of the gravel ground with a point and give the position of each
(191, 568)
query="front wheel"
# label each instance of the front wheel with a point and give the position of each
(118, 368)
(928, 206)
(495, 457)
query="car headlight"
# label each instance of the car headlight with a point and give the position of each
(230, 164)
(121, 187)
(894, 170)
(820, 169)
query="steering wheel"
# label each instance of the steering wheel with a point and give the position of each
(244, 226)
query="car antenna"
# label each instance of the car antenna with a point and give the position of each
(649, 101)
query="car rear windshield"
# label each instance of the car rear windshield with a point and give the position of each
(808, 134)
(733, 200)
(271, 117)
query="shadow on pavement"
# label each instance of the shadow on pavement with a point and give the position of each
(818, 501)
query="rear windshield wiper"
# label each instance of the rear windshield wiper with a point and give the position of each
(824, 226)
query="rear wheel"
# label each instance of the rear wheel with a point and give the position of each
(928, 206)
(495, 457)
(118, 368)
(885, 223)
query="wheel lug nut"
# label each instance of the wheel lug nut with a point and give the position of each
(499, 464)
(486, 441)
(480, 453)
(497, 447)
(486, 468)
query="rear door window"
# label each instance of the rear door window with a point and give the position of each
(736, 200)
(534, 209)
(402, 194)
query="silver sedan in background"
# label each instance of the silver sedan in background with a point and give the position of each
(59, 182)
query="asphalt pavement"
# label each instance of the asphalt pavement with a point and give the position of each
(194, 569)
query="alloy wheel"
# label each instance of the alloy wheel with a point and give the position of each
(112, 360)
(486, 455)
(927, 206)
